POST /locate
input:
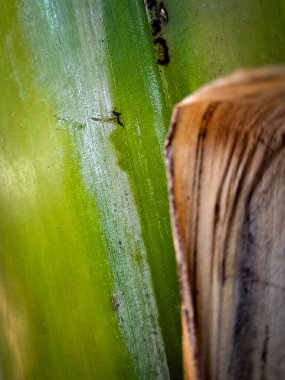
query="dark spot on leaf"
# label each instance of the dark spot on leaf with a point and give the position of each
(117, 300)
(158, 16)
(118, 115)
(155, 27)
(114, 118)
(162, 51)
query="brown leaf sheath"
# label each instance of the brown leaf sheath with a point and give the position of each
(226, 167)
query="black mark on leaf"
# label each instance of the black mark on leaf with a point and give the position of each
(158, 17)
(114, 118)
(118, 115)
(155, 27)
(162, 51)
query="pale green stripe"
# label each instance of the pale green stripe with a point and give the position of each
(82, 91)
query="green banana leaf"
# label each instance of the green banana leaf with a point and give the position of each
(88, 286)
